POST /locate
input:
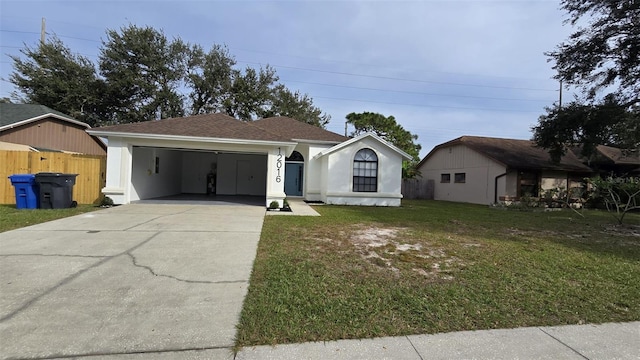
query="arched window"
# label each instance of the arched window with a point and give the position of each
(365, 171)
(295, 156)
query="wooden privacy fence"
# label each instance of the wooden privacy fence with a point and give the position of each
(91, 171)
(417, 189)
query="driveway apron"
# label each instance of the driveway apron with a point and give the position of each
(134, 279)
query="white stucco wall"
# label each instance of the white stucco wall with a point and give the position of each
(146, 183)
(313, 171)
(195, 167)
(118, 170)
(337, 179)
(480, 175)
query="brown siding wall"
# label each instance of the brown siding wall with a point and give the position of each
(54, 134)
(91, 171)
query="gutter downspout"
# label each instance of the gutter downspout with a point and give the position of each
(495, 188)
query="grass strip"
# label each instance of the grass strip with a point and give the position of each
(429, 266)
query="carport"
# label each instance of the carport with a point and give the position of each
(165, 172)
(206, 155)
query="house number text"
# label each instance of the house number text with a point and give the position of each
(279, 166)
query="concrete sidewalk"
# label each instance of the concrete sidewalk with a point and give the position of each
(298, 208)
(605, 341)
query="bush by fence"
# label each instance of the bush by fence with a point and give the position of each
(91, 170)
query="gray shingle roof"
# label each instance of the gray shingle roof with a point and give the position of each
(14, 113)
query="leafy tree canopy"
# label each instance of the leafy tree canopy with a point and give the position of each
(143, 76)
(388, 129)
(587, 126)
(144, 71)
(52, 75)
(604, 53)
(295, 105)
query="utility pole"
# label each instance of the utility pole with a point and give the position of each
(345, 129)
(560, 101)
(42, 32)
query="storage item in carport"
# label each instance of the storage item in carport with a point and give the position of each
(26, 190)
(56, 190)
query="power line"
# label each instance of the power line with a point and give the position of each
(48, 33)
(77, 38)
(424, 105)
(20, 32)
(377, 66)
(414, 92)
(398, 79)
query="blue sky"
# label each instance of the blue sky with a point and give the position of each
(443, 69)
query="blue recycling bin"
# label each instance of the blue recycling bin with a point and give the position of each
(26, 190)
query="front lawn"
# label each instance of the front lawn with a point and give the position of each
(427, 267)
(12, 218)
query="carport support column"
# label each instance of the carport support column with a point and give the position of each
(275, 176)
(119, 162)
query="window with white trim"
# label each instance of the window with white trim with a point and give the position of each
(365, 171)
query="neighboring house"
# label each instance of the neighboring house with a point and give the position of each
(486, 170)
(45, 129)
(274, 158)
(609, 160)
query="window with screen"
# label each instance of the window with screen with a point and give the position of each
(365, 171)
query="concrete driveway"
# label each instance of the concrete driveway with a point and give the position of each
(135, 281)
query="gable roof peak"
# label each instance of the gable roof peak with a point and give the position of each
(12, 115)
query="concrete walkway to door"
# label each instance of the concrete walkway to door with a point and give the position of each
(140, 281)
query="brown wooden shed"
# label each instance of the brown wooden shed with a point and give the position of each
(46, 129)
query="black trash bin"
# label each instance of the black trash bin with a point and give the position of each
(56, 190)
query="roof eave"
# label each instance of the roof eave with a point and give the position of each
(320, 142)
(339, 146)
(44, 116)
(188, 138)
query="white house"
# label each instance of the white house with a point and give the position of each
(484, 170)
(272, 158)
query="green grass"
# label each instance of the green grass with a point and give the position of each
(12, 218)
(450, 267)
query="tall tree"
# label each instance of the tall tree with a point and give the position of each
(143, 71)
(251, 93)
(388, 129)
(209, 76)
(587, 126)
(295, 105)
(605, 52)
(51, 74)
(145, 76)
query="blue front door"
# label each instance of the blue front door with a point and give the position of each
(293, 179)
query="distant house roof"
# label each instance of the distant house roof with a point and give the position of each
(515, 154)
(618, 156)
(226, 127)
(14, 115)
